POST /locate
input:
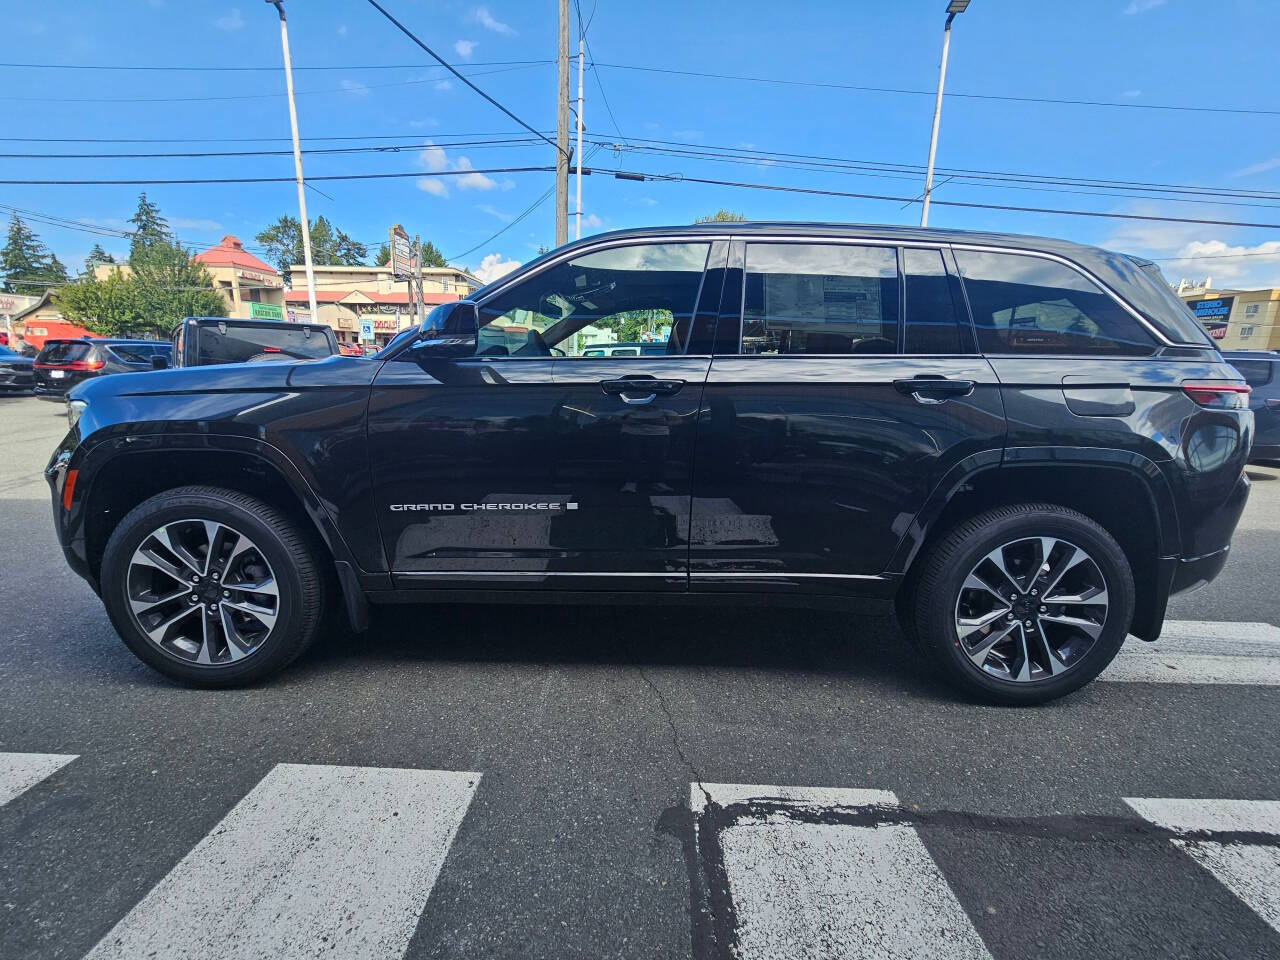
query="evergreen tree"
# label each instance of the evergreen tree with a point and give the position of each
(97, 256)
(431, 256)
(722, 216)
(383, 257)
(27, 265)
(329, 246)
(149, 228)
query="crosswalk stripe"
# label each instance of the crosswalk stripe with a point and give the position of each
(1201, 651)
(20, 772)
(1251, 871)
(316, 861)
(823, 872)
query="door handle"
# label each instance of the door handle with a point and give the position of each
(637, 391)
(940, 387)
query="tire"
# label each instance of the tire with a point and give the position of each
(1027, 667)
(275, 544)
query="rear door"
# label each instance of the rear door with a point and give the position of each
(845, 385)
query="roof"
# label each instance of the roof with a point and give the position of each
(230, 252)
(338, 296)
(45, 300)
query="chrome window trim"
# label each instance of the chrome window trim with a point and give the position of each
(650, 574)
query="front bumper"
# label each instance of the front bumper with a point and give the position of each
(1194, 572)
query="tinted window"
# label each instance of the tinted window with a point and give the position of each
(929, 311)
(1024, 304)
(638, 295)
(64, 351)
(1256, 373)
(238, 344)
(133, 352)
(820, 299)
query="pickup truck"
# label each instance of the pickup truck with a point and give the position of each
(200, 341)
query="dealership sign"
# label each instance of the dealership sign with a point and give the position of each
(1213, 313)
(402, 263)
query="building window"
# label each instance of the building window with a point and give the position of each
(1251, 310)
(1246, 330)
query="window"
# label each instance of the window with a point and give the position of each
(622, 301)
(929, 311)
(1251, 310)
(1256, 373)
(818, 299)
(133, 352)
(1026, 304)
(1246, 330)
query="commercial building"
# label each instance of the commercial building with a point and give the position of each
(347, 297)
(1236, 319)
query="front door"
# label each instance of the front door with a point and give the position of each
(561, 453)
(846, 384)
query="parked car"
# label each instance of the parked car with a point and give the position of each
(1261, 370)
(1021, 446)
(16, 375)
(62, 364)
(200, 341)
(625, 349)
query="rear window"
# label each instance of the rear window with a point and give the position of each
(238, 345)
(137, 352)
(64, 351)
(1256, 373)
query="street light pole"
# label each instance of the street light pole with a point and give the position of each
(562, 125)
(297, 162)
(953, 8)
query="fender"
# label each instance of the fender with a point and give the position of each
(1147, 471)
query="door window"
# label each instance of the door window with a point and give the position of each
(623, 301)
(1256, 373)
(820, 299)
(930, 312)
(1032, 305)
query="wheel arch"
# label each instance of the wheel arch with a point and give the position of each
(1123, 492)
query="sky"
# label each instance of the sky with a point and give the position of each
(362, 83)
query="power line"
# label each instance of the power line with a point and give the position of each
(315, 151)
(222, 68)
(929, 93)
(409, 33)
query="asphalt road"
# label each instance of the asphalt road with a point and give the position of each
(611, 784)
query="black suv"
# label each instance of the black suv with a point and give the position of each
(1021, 446)
(1261, 370)
(61, 364)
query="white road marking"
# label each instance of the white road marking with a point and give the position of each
(20, 772)
(1250, 871)
(1202, 651)
(833, 890)
(316, 861)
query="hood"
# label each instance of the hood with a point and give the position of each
(230, 378)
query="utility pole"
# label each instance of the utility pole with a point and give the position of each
(297, 163)
(582, 41)
(953, 8)
(420, 308)
(562, 129)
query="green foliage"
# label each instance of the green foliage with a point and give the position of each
(630, 325)
(383, 257)
(97, 256)
(329, 246)
(27, 265)
(431, 256)
(149, 229)
(722, 216)
(164, 287)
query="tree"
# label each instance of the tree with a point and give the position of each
(431, 256)
(97, 256)
(29, 268)
(149, 228)
(722, 216)
(164, 287)
(283, 243)
(383, 257)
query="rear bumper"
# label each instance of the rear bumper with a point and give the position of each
(1194, 572)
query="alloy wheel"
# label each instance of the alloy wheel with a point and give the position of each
(1031, 609)
(203, 592)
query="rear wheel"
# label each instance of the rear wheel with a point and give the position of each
(1024, 604)
(211, 586)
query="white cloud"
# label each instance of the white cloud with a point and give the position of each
(355, 88)
(434, 186)
(472, 181)
(591, 222)
(1229, 265)
(642, 201)
(465, 48)
(232, 21)
(1133, 94)
(444, 86)
(194, 223)
(492, 267)
(1142, 6)
(1264, 167)
(495, 212)
(424, 122)
(434, 158)
(483, 17)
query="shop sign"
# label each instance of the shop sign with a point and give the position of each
(265, 311)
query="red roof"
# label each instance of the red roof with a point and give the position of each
(299, 295)
(231, 253)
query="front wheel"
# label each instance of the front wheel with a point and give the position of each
(211, 587)
(1024, 604)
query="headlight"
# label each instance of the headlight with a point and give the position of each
(75, 410)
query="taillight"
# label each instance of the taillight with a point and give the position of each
(1219, 395)
(69, 488)
(72, 365)
(270, 349)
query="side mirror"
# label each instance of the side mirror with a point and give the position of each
(159, 362)
(450, 331)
